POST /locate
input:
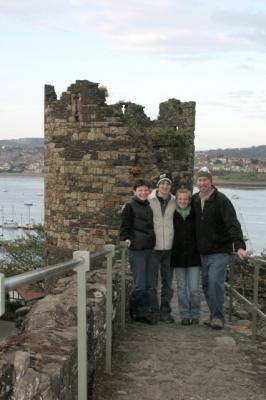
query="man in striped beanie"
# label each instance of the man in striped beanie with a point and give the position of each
(218, 232)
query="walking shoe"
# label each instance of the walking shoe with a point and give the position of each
(167, 318)
(217, 324)
(151, 319)
(207, 322)
(194, 321)
(185, 321)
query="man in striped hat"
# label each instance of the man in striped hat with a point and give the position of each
(218, 232)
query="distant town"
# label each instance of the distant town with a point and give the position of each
(225, 162)
(27, 156)
(22, 156)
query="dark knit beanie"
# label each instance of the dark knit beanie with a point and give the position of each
(164, 177)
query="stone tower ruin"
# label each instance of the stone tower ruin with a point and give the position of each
(93, 153)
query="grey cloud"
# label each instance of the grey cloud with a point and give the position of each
(241, 93)
(246, 67)
(246, 27)
(189, 58)
(181, 31)
(241, 18)
(224, 104)
(253, 67)
(50, 14)
(177, 30)
(247, 102)
(256, 115)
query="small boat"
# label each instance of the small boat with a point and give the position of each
(10, 224)
(27, 227)
(263, 253)
(235, 197)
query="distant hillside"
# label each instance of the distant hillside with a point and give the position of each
(24, 143)
(22, 156)
(249, 152)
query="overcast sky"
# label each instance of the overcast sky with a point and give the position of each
(145, 51)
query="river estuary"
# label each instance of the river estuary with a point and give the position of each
(22, 199)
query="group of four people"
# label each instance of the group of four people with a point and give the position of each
(191, 235)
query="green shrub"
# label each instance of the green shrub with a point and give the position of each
(24, 254)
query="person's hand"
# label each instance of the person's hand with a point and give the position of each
(128, 242)
(242, 254)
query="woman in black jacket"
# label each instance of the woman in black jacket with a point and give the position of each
(137, 231)
(186, 260)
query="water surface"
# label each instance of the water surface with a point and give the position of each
(16, 191)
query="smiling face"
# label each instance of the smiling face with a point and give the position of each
(204, 185)
(164, 188)
(141, 192)
(182, 200)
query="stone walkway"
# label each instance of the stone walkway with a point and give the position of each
(7, 328)
(174, 362)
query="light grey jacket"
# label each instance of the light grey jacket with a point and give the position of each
(163, 224)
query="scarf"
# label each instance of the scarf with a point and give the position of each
(184, 212)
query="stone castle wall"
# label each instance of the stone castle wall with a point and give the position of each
(173, 140)
(93, 153)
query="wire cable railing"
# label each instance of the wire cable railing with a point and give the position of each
(257, 265)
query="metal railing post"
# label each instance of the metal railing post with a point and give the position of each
(123, 285)
(255, 302)
(82, 322)
(230, 293)
(109, 308)
(2, 295)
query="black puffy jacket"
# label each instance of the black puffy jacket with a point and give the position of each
(184, 252)
(137, 224)
(217, 226)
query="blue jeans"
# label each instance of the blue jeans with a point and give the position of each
(188, 292)
(162, 262)
(213, 277)
(141, 262)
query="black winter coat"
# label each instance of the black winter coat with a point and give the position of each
(184, 252)
(137, 224)
(217, 226)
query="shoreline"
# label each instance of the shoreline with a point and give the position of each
(21, 174)
(217, 182)
(238, 184)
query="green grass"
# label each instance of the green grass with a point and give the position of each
(240, 178)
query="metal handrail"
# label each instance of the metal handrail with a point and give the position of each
(80, 263)
(107, 250)
(253, 305)
(16, 281)
(245, 300)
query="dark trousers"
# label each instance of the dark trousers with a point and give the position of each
(143, 300)
(162, 263)
(141, 262)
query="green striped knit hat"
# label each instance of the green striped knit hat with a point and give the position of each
(204, 172)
